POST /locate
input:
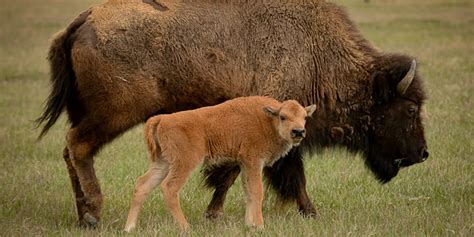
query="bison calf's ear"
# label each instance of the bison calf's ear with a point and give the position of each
(269, 111)
(310, 110)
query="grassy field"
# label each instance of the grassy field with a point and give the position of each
(435, 198)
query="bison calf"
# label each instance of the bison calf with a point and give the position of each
(252, 132)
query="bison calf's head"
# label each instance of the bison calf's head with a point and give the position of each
(396, 133)
(290, 120)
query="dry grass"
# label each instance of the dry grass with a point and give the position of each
(434, 198)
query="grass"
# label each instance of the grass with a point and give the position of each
(435, 198)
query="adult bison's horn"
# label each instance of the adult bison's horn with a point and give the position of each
(406, 81)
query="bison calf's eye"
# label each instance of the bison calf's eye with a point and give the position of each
(282, 118)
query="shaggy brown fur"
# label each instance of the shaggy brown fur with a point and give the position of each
(251, 132)
(126, 60)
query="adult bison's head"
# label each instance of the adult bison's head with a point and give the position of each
(396, 136)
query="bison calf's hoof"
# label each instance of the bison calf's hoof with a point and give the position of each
(129, 228)
(185, 227)
(256, 227)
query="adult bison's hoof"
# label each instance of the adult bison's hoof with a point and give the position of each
(89, 221)
(309, 212)
(213, 214)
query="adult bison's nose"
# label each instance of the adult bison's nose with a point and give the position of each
(298, 133)
(424, 154)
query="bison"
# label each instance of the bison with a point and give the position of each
(121, 62)
(252, 132)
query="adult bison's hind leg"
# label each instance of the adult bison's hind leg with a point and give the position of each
(76, 186)
(83, 142)
(287, 177)
(82, 146)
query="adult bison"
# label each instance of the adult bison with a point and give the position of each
(123, 61)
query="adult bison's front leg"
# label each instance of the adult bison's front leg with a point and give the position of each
(220, 178)
(287, 177)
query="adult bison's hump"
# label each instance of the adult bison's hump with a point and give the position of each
(193, 40)
(233, 49)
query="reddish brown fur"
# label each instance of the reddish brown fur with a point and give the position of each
(251, 132)
(125, 60)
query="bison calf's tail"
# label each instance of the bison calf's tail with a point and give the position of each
(151, 137)
(62, 75)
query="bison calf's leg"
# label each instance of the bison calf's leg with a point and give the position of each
(173, 183)
(145, 184)
(253, 186)
(221, 178)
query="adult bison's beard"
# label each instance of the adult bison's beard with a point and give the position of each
(384, 166)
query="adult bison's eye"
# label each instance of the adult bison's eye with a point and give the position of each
(412, 111)
(380, 119)
(282, 118)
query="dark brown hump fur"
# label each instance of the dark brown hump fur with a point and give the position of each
(62, 75)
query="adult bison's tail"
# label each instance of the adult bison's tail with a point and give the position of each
(62, 75)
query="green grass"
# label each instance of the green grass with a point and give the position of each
(435, 198)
